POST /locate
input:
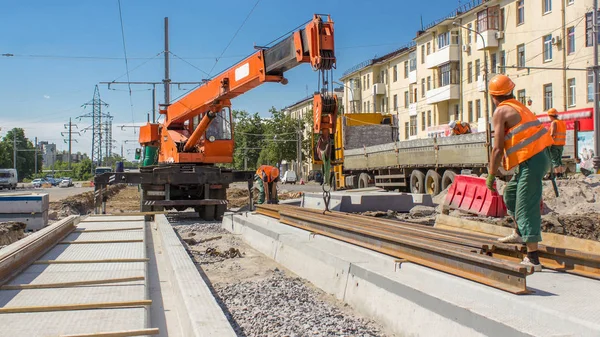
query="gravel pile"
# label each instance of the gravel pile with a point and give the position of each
(285, 306)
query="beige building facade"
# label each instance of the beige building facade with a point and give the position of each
(544, 46)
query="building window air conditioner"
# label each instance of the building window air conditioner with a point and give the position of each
(499, 35)
(466, 48)
(556, 40)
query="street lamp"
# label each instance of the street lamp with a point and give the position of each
(485, 79)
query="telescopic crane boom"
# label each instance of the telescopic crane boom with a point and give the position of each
(185, 136)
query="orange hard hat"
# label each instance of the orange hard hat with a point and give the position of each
(501, 85)
(552, 112)
(274, 173)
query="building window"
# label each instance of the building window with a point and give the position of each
(429, 118)
(488, 19)
(547, 6)
(395, 75)
(502, 69)
(448, 74)
(423, 121)
(405, 69)
(547, 96)
(428, 48)
(547, 48)
(469, 26)
(443, 40)
(572, 91)
(406, 130)
(382, 106)
(428, 83)
(413, 125)
(521, 96)
(414, 96)
(422, 87)
(368, 106)
(406, 99)
(368, 81)
(501, 24)
(521, 56)
(477, 68)
(591, 85)
(456, 111)
(520, 12)
(494, 62)
(469, 72)
(422, 54)
(395, 102)
(478, 108)
(364, 106)
(570, 40)
(470, 110)
(589, 29)
(454, 37)
(412, 57)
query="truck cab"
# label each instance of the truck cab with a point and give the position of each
(8, 178)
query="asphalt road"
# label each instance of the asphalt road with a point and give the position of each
(56, 193)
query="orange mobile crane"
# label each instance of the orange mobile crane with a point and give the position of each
(197, 131)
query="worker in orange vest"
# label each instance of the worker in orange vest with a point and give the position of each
(459, 128)
(266, 179)
(558, 131)
(524, 142)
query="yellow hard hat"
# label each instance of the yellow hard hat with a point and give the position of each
(501, 85)
(552, 112)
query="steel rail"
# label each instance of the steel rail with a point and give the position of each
(445, 257)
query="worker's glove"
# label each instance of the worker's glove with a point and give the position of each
(489, 182)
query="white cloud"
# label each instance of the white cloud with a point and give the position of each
(47, 96)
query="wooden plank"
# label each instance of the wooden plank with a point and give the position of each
(107, 230)
(124, 333)
(68, 307)
(548, 239)
(98, 241)
(70, 284)
(90, 261)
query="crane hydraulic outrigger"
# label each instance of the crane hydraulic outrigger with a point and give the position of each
(180, 154)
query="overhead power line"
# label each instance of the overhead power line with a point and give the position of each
(126, 61)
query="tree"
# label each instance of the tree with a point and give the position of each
(248, 132)
(280, 137)
(25, 153)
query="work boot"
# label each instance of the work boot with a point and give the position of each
(527, 262)
(513, 238)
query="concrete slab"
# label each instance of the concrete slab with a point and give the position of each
(24, 203)
(345, 201)
(415, 300)
(34, 221)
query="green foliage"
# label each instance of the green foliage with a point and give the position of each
(279, 141)
(248, 135)
(25, 153)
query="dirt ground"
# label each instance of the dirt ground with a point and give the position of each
(79, 204)
(261, 297)
(10, 232)
(238, 197)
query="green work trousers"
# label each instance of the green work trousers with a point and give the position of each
(261, 189)
(556, 153)
(523, 196)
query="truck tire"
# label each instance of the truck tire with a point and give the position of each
(448, 178)
(433, 182)
(363, 180)
(417, 182)
(220, 194)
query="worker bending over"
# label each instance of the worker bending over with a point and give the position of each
(266, 179)
(459, 128)
(558, 131)
(524, 142)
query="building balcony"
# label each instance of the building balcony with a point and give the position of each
(490, 37)
(445, 93)
(412, 109)
(412, 77)
(444, 55)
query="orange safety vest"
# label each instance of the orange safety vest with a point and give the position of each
(269, 172)
(526, 139)
(560, 133)
(460, 129)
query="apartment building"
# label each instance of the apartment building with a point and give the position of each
(545, 46)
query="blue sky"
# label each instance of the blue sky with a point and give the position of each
(63, 48)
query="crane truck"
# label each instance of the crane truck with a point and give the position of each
(182, 154)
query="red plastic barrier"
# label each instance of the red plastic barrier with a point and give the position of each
(471, 194)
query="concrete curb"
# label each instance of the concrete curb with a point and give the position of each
(202, 314)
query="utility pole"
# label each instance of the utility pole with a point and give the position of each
(167, 80)
(14, 150)
(596, 90)
(36, 151)
(96, 116)
(70, 141)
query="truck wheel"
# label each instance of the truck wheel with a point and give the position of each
(448, 179)
(363, 180)
(220, 194)
(433, 181)
(417, 182)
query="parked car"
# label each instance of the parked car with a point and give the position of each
(289, 177)
(38, 182)
(8, 178)
(64, 183)
(70, 181)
